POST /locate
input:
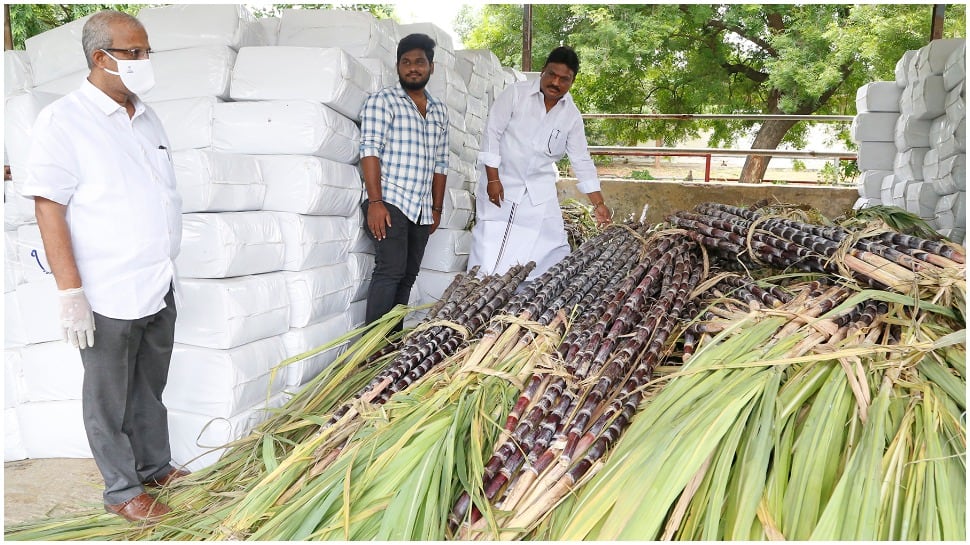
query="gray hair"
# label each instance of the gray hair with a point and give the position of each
(97, 34)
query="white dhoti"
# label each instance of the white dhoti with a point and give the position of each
(517, 233)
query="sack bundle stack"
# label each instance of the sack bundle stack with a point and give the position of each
(262, 117)
(912, 137)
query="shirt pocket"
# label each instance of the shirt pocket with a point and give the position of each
(555, 143)
(436, 133)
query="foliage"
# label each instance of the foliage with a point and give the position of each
(27, 20)
(844, 174)
(381, 11)
(642, 175)
(732, 58)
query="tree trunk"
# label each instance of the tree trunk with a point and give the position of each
(7, 34)
(769, 136)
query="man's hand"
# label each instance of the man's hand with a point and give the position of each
(77, 319)
(603, 214)
(436, 216)
(378, 219)
(496, 193)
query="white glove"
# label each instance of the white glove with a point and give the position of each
(77, 319)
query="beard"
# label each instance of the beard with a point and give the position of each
(414, 85)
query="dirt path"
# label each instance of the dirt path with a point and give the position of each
(46, 487)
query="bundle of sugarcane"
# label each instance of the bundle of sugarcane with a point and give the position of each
(565, 421)
(579, 222)
(834, 415)
(880, 258)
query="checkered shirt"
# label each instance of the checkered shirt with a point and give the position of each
(411, 148)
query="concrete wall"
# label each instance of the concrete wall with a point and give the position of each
(627, 197)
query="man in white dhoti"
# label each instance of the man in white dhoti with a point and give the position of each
(531, 125)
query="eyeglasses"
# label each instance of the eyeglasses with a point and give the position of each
(136, 53)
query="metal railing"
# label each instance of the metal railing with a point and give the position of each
(709, 153)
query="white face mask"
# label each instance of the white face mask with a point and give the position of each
(138, 75)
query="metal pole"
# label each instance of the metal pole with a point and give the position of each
(936, 28)
(707, 167)
(527, 38)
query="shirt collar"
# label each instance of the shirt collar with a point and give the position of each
(566, 99)
(402, 93)
(106, 104)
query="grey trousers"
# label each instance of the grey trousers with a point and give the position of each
(121, 399)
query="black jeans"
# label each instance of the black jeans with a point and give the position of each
(396, 263)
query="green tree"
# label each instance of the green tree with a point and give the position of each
(381, 11)
(731, 58)
(28, 20)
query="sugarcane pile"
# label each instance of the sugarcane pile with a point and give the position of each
(755, 377)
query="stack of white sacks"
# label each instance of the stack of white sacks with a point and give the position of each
(262, 116)
(912, 137)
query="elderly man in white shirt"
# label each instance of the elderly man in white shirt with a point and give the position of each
(531, 125)
(110, 218)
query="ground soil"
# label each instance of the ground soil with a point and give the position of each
(47, 487)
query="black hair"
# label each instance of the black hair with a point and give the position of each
(416, 41)
(565, 55)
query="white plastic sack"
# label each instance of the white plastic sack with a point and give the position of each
(439, 35)
(447, 86)
(13, 444)
(909, 164)
(53, 429)
(196, 439)
(954, 234)
(393, 31)
(921, 199)
(931, 58)
(12, 377)
(211, 181)
(194, 72)
(865, 202)
(64, 84)
(458, 209)
(431, 284)
(223, 383)
(224, 244)
(382, 75)
(310, 185)
(313, 241)
(317, 293)
(924, 98)
(876, 155)
(17, 209)
(187, 121)
(296, 127)
(447, 250)
(37, 313)
(888, 184)
(874, 127)
(360, 240)
(951, 211)
(30, 252)
(19, 113)
(357, 313)
(899, 192)
(13, 272)
(956, 106)
(181, 26)
(361, 267)
(56, 52)
(955, 69)
(356, 32)
(326, 75)
(870, 182)
(878, 96)
(455, 179)
(230, 312)
(269, 28)
(911, 132)
(16, 72)
(902, 67)
(300, 340)
(51, 371)
(951, 175)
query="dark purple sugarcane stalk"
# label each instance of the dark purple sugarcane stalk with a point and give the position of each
(931, 246)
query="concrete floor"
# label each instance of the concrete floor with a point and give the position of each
(45, 487)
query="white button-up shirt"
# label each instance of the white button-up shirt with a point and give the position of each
(115, 175)
(524, 142)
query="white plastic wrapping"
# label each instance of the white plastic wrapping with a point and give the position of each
(483, 61)
(909, 164)
(12, 377)
(187, 121)
(382, 75)
(439, 35)
(924, 98)
(447, 86)
(360, 239)
(956, 106)
(223, 383)
(269, 27)
(317, 293)
(313, 241)
(447, 250)
(361, 267)
(210, 181)
(20, 112)
(458, 209)
(902, 67)
(31, 254)
(951, 211)
(951, 175)
(326, 75)
(13, 444)
(865, 202)
(13, 272)
(299, 340)
(53, 429)
(50, 371)
(874, 127)
(454, 179)
(16, 72)
(911, 132)
(194, 72)
(357, 313)
(310, 185)
(431, 284)
(56, 52)
(931, 58)
(181, 26)
(921, 199)
(899, 192)
(224, 244)
(17, 209)
(955, 69)
(886, 194)
(878, 96)
(197, 440)
(356, 32)
(285, 127)
(230, 312)
(876, 155)
(35, 314)
(64, 84)
(871, 182)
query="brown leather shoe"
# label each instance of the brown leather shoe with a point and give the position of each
(167, 478)
(140, 508)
